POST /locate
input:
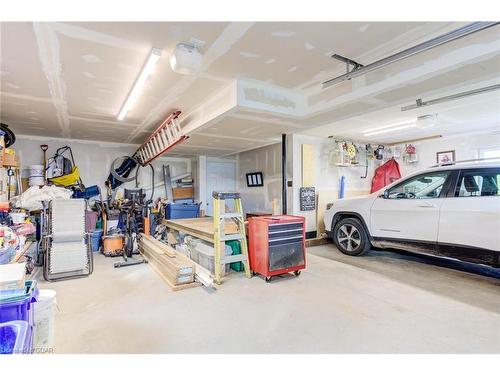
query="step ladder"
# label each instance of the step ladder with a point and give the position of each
(220, 237)
(167, 135)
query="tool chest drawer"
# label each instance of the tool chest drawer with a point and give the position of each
(285, 231)
(276, 244)
(286, 255)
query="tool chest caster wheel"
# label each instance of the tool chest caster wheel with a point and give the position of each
(296, 273)
(268, 279)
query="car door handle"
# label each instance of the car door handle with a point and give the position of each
(426, 205)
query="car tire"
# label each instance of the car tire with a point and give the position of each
(350, 237)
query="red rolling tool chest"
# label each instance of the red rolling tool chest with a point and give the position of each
(276, 245)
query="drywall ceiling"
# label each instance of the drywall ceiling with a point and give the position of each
(71, 79)
(478, 113)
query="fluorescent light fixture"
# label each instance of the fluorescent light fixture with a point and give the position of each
(148, 68)
(388, 129)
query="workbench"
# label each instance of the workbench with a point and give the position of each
(200, 227)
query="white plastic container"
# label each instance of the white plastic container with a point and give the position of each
(36, 181)
(36, 170)
(18, 217)
(44, 323)
(205, 257)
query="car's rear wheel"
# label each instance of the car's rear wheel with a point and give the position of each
(350, 237)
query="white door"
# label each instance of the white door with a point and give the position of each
(410, 209)
(472, 217)
(221, 176)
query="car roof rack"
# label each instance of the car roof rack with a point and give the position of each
(465, 161)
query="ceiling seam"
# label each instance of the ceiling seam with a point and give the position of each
(27, 97)
(48, 53)
(231, 137)
(81, 33)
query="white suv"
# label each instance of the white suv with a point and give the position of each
(451, 211)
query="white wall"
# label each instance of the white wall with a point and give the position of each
(94, 160)
(466, 147)
(327, 176)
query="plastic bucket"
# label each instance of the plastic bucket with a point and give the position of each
(36, 170)
(44, 325)
(113, 245)
(36, 181)
(95, 238)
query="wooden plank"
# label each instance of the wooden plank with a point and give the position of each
(167, 276)
(200, 227)
(169, 283)
(153, 242)
(308, 167)
(311, 242)
(183, 193)
(176, 267)
(19, 254)
(415, 140)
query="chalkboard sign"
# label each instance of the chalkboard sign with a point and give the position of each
(307, 199)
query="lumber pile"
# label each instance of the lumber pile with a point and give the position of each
(176, 271)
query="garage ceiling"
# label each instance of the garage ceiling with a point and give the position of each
(71, 79)
(479, 113)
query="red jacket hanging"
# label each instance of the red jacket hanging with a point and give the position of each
(385, 174)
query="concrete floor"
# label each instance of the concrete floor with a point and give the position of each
(382, 303)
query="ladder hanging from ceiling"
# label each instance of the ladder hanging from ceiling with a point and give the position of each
(220, 237)
(167, 135)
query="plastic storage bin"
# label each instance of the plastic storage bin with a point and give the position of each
(18, 304)
(95, 239)
(182, 211)
(236, 247)
(205, 257)
(15, 337)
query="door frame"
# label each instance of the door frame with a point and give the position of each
(219, 160)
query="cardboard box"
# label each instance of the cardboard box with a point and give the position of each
(183, 193)
(9, 158)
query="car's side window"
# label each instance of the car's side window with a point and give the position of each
(424, 186)
(478, 183)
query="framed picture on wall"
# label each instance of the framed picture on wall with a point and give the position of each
(255, 179)
(444, 157)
